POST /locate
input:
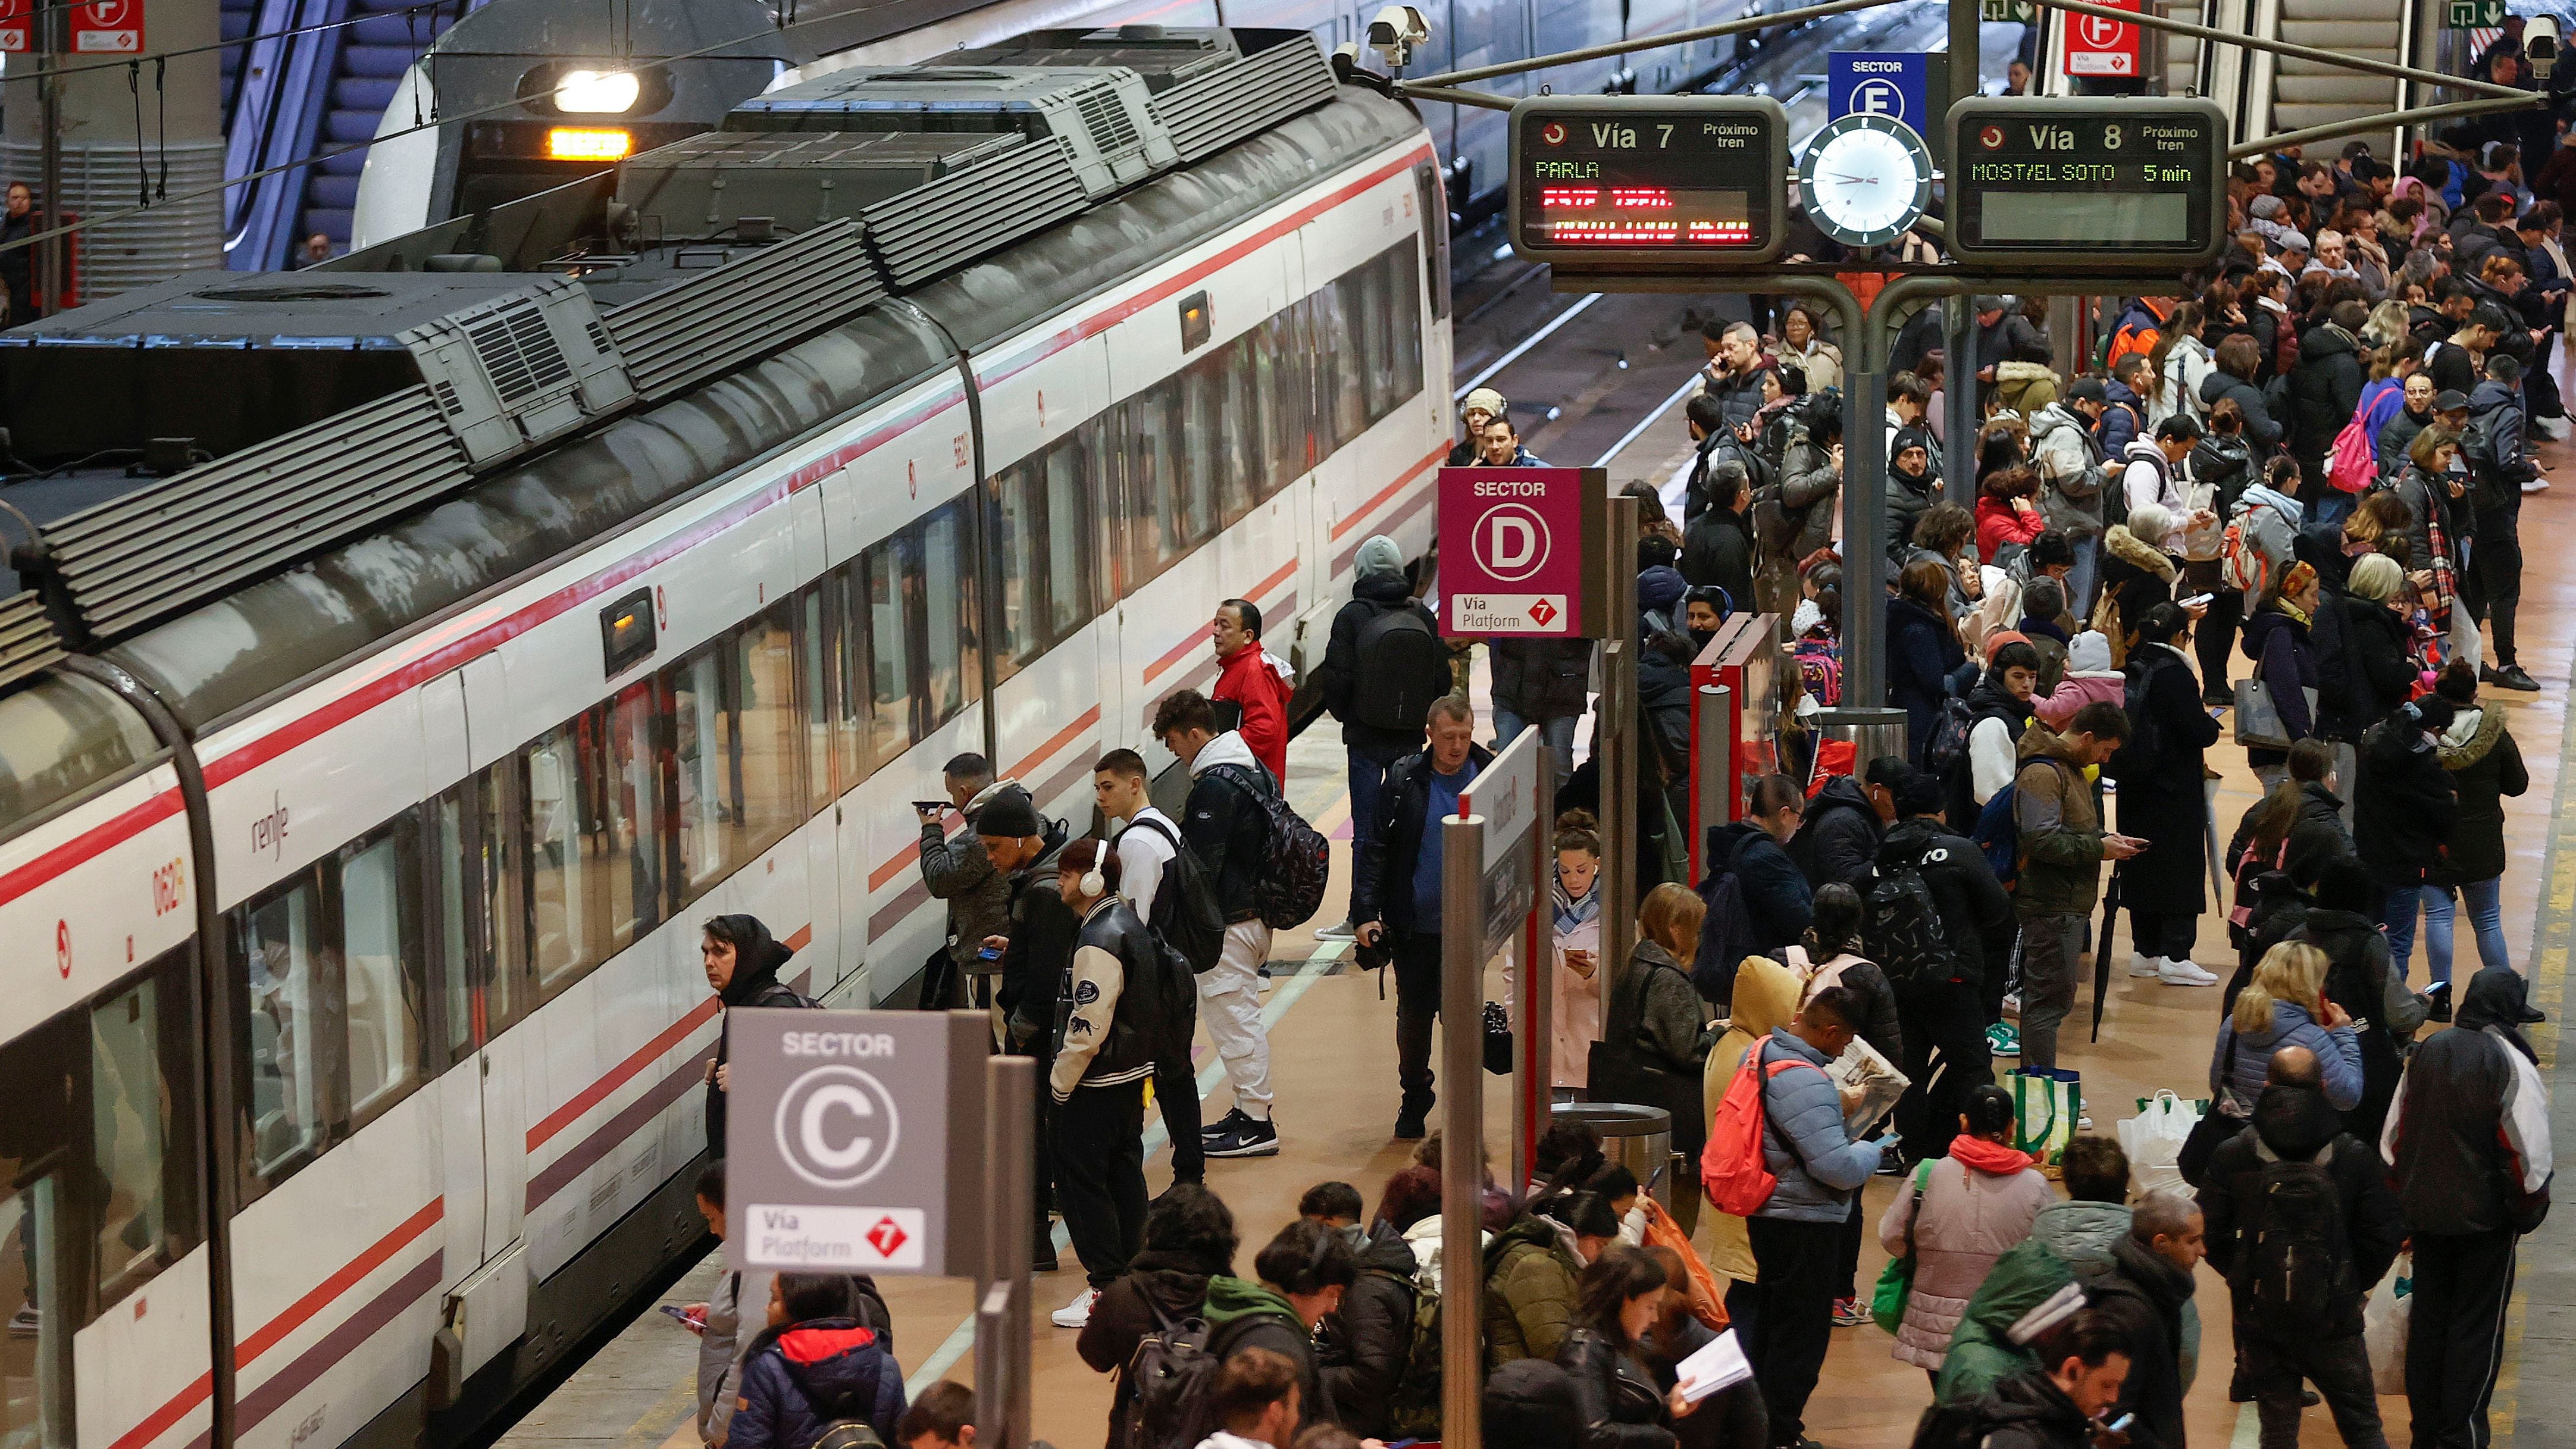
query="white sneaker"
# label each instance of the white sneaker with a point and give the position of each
(2185, 972)
(2141, 964)
(2554, 429)
(1078, 1312)
(1343, 932)
(2535, 485)
(2012, 1004)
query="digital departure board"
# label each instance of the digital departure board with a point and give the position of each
(1638, 181)
(2097, 183)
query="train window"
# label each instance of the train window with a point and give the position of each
(1015, 528)
(889, 650)
(1432, 199)
(764, 706)
(1404, 319)
(1071, 596)
(451, 858)
(1276, 395)
(143, 1076)
(955, 640)
(1238, 443)
(1201, 393)
(847, 593)
(1339, 358)
(500, 796)
(36, 1356)
(563, 868)
(707, 806)
(1156, 457)
(379, 926)
(1311, 377)
(281, 950)
(817, 665)
(632, 814)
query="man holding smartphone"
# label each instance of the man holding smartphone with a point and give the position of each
(2063, 846)
(957, 871)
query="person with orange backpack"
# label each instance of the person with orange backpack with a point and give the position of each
(1778, 1154)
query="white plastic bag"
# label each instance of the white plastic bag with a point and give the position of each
(2154, 1138)
(2383, 1326)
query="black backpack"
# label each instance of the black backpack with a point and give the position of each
(2294, 1268)
(1413, 1409)
(1402, 668)
(1901, 922)
(1296, 862)
(1725, 933)
(1947, 751)
(1186, 914)
(1174, 1372)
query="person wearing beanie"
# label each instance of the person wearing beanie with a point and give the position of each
(1400, 658)
(2405, 805)
(1482, 406)
(1035, 946)
(1912, 487)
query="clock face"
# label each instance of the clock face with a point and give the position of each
(1866, 179)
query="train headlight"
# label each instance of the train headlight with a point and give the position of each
(588, 143)
(597, 92)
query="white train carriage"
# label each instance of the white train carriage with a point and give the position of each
(363, 790)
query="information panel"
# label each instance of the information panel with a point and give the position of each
(2095, 183)
(1623, 180)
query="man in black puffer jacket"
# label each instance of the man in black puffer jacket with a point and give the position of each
(1838, 838)
(1946, 1052)
(2146, 1290)
(2325, 388)
(2405, 804)
(1363, 1347)
(2294, 1123)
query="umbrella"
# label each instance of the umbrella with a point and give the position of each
(2102, 947)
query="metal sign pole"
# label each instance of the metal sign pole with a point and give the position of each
(1959, 401)
(1716, 732)
(1010, 1221)
(1616, 746)
(1462, 1153)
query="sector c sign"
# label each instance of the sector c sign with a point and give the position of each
(1512, 550)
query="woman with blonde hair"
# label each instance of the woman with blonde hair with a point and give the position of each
(1658, 1034)
(2286, 1005)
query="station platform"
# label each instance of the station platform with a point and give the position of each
(1332, 1056)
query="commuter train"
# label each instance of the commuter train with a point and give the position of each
(504, 65)
(469, 621)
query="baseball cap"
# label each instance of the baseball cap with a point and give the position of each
(2449, 400)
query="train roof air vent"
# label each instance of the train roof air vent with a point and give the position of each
(687, 334)
(1102, 115)
(28, 643)
(519, 370)
(1213, 109)
(1164, 55)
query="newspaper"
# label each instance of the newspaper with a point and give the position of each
(1719, 1364)
(1879, 1081)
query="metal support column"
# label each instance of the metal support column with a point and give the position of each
(1002, 1309)
(1535, 1010)
(53, 24)
(1716, 776)
(1616, 747)
(1958, 403)
(1462, 1157)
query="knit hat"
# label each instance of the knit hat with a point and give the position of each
(1986, 304)
(2267, 207)
(1009, 815)
(1660, 589)
(2294, 241)
(1910, 436)
(1485, 398)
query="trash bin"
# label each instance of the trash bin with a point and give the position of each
(1872, 732)
(1637, 1138)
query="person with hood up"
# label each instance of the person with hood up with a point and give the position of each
(2146, 1290)
(2293, 1123)
(1190, 1239)
(1960, 1213)
(2089, 678)
(1837, 837)
(2276, 639)
(1226, 822)
(1923, 651)
(1944, 1025)
(1256, 682)
(1303, 1274)
(2405, 805)
(1765, 998)
(2059, 1406)
(742, 962)
(2066, 1238)
(2500, 464)
(2063, 844)
(2162, 802)
(1717, 544)
(1363, 1346)
(2071, 476)
(2000, 708)
(1912, 488)
(2365, 664)
(2007, 518)
(2486, 764)
(1795, 516)
(1395, 891)
(1372, 741)
(815, 1363)
(2285, 1005)
(2468, 1150)
(2325, 392)
(2362, 979)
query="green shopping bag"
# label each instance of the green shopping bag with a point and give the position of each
(2046, 1103)
(1896, 1280)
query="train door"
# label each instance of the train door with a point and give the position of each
(476, 794)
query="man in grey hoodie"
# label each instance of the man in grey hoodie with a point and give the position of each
(1378, 588)
(1796, 1235)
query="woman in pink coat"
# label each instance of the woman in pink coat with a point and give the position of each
(1975, 1205)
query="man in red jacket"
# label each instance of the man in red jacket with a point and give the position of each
(1246, 678)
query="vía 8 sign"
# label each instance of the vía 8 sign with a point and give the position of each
(2095, 183)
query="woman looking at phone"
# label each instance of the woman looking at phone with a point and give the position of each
(1575, 915)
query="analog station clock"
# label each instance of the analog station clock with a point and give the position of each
(1866, 178)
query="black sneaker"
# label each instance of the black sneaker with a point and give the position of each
(1222, 1125)
(2218, 696)
(2510, 676)
(2440, 1010)
(1244, 1137)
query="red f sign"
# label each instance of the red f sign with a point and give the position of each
(108, 27)
(15, 22)
(2097, 46)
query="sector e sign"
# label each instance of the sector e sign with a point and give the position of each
(1641, 181)
(2095, 183)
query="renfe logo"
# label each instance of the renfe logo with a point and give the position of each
(1512, 542)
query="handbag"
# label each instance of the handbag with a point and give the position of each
(2214, 1127)
(2046, 1103)
(1498, 1039)
(2154, 1139)
(1896, 1280)
(2258, 717)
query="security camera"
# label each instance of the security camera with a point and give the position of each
(1394, 33)
(2540, 44)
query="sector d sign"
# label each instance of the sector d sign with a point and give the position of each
(1512, 550)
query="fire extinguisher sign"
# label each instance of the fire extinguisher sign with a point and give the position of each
(108, 27)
